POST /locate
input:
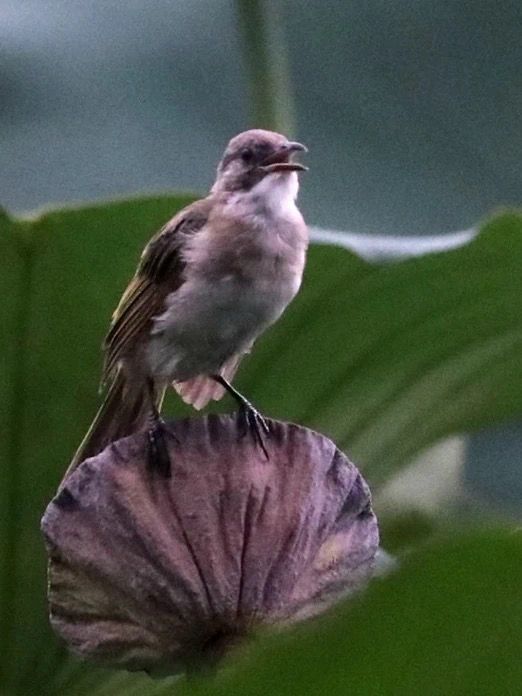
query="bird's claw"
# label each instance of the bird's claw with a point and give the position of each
(158, 454)
(251, 421)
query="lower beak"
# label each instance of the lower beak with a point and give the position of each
(283, 167)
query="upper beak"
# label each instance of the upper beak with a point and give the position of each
(292, 146)
(280, 161)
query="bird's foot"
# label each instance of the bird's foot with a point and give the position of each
(251, 421)
(158, 453)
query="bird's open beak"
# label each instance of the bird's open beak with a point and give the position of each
(281, 161)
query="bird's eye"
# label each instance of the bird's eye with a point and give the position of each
(247, 154)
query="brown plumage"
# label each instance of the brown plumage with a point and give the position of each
(159, 273)
(212, 279)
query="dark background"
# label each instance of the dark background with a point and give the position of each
(411, 110)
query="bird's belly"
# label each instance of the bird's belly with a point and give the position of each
(204, 324)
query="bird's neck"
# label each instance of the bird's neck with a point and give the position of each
(274, 196)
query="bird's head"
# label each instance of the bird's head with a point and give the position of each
(254, 155)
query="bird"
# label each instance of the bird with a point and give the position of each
(213, 278)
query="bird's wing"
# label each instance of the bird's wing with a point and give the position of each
(159, 273)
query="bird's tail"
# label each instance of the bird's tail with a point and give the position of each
(125, 410)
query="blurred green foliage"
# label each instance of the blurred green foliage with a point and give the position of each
(447, 622)
(385, 358)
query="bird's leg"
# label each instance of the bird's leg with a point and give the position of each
(158, 454)
(251, 418)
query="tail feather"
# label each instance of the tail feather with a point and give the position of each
(198, 391)
(123, 412)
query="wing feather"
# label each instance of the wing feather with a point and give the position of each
(159, 273)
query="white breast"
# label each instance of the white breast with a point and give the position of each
(242, 270)
(273, 197)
